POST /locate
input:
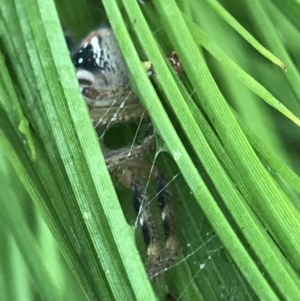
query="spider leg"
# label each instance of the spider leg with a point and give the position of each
(128, 164)
(141, 204)
(164, 197)
(157, 261)
(124, 162)
(112, 105)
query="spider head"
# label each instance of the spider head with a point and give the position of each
(99, 62)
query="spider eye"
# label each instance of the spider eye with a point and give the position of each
(85, 78)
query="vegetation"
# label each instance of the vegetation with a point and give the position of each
(229, 123)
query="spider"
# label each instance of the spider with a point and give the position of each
(105, 85)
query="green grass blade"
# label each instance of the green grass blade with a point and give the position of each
(232, 68)
(273, 200)
(181, 160)
(180, 108)
(272, 40)
(68, 180)
(245, 34)
(241, 187)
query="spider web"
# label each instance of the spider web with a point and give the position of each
(203, 269)
(202, 259)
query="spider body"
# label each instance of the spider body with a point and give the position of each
(104, 83)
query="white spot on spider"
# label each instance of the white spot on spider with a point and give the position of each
(163, 216)
(84, 75)
(96, 49)
(80, 60)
